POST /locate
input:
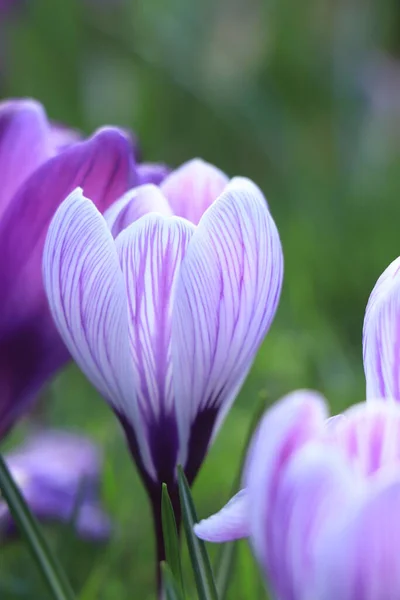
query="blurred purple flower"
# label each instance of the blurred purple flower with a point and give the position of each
(322, 499)
(166, 319)
(39, 165)
(58, 474)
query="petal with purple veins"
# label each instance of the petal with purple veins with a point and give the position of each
(285, 428)
(87, 297)
(135, 204)
(226, 299)
(151, 251)
(381, 336)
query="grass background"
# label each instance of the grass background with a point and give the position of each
(302, 97)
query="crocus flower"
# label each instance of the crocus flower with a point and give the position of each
(58, 474)
(166, 318)
(322, 501)
(39, 165)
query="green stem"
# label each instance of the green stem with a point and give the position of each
(48, 565)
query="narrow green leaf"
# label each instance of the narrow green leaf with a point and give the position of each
(171, 587)
(226, 556)
(51, 570)
(171, 539)
(198, 554)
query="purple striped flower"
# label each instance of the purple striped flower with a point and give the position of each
(58, 474)
(322, 499)
(381, 336)
(166, 318)
(40, 165)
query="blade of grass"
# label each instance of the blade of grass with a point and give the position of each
(198, 554)
(225, 560)
(171, 539)
(170, 585)
(52, 572)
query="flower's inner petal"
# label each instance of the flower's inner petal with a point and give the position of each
(192, 188)
(226, 298)
(369, 434)
(136, 203)
(230, 523)
(151, 251)
(381, 336)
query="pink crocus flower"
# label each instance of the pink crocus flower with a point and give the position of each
(40, 164)
(321, 501)
(165, 314)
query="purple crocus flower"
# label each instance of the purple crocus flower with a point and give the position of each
(39, 165)
(58, 474)
(166, 318)
(322, 499)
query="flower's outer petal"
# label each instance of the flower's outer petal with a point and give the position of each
(358, 555)
(230, 523)
(134, 204)
(62, 137)
(226, 299)
(314, 489)
(192, 188)
(381, 336)
(153, 173)
(369, 435)
(24, 145)
(285, 428)
(30, 348)
(87, 297)
(151, 251)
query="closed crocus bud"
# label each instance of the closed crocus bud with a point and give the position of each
(166, 318)
(381, 336)
(58, 473)
(322, 501)
(39, 165)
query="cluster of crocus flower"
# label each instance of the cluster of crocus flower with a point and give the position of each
(321, 496)
(165, 311)
(58, 474)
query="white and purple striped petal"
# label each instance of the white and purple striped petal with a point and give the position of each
(136, 203)
(381, 336)
(226, 299)
(151, 251)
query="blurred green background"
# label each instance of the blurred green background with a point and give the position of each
(304, 98)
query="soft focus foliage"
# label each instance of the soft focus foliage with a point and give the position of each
(302, 98)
